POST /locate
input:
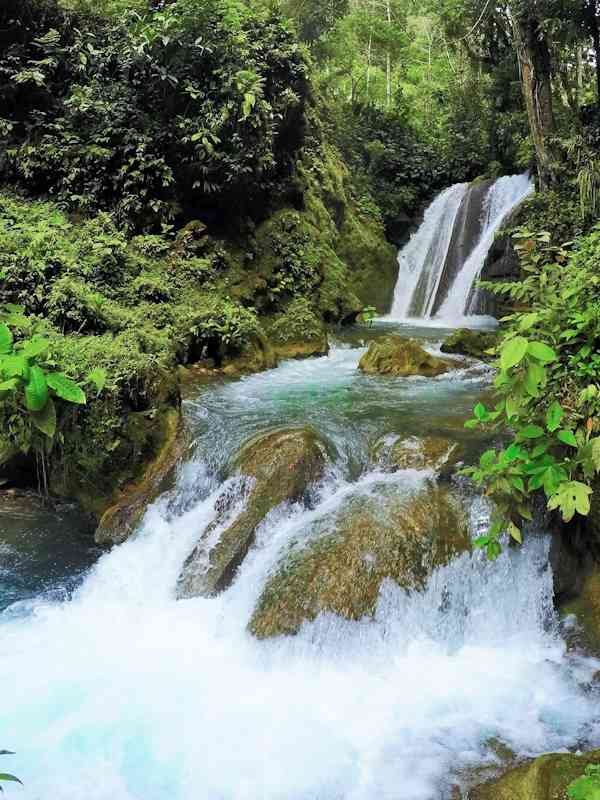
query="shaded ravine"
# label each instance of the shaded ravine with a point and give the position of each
(125, 693)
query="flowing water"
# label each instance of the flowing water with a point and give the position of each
(121, 692)
(443, 260)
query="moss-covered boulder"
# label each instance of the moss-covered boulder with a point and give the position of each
(587, 608)
(545, 778)
(474, 344)
(281, 466)
(298, 332)
(393, 536)
(120, 520)
(392, 452)
(257, 355)
(401, 357)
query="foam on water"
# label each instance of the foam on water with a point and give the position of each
(124, 693)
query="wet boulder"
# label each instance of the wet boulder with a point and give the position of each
(474, 344)
(586, 607)
(392, 452)
(401, 357)
(280, 466)
(393, 535)
(122, 517)
(545, 778)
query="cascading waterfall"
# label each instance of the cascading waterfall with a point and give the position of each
(444, 258)
(125, 693)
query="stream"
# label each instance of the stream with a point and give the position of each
(113, 689)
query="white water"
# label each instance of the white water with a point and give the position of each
(426, 253)
(126, 694)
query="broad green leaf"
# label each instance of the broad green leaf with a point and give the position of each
(512, 406)
(480, 412)
(487, 459)
(531, 432)
(539, 449)
(36, 390)
(567, 437)
(542, 352)
(494, 550)
(6, 339)
(35, 347)
(528, 321)
(515, 533)
(554, 417)
(4, 776)
(10, 385)
(65, 388)
(513, 352)
(98, 377)
(571, 497)
(45, 420)
(14, 366)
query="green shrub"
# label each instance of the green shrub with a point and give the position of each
(298, 323)
(548, 386)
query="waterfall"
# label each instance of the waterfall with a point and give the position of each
(443, 260)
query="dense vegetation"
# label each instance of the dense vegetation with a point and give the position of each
(211, 180)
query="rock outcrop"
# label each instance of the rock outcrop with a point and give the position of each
(474, 344)
(393, 536)
(281, 466)
(401, 357)
(545, 778)
(392, 452)
(121, 519)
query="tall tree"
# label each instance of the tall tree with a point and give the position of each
(533, 53)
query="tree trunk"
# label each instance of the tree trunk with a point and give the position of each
(596, 37)
(534, 63)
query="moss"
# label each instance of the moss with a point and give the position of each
(120, 519)
(281, 464)
(587, 609)
(474, 344)
(545, 778)
(401, 357)
(369, 540)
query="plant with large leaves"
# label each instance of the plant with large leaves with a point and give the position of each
(548, 392)
(28, 378)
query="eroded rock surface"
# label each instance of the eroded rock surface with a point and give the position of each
(281, 466)
(394, 536)
(401, 357)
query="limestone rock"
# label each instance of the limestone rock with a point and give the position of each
(281, 465)
(545, 778)
(396, 536)
(432, 452)
(401, 357)
(120, 520)
(474, 344)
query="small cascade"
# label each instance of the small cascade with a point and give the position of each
(441, 263)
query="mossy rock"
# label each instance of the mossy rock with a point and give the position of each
(391, 452)
(587, 609)
(391, 536)
(120, 520)
(257, 355)
(401, 357)
(281, 466)
(545, 778)
(298, 332)
(474, 344)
